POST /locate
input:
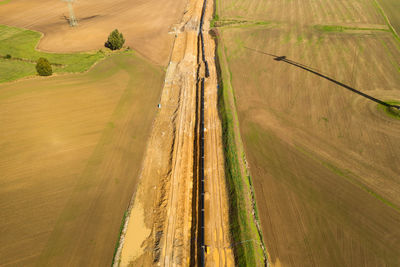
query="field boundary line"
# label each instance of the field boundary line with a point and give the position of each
(241, 192)
(382, 11)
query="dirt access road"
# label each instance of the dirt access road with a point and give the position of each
(217, 239)
(163, 225)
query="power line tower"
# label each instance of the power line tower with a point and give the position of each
(72, 20)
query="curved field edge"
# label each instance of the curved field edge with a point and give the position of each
(387, 18)
(245, 231)
(20, 44)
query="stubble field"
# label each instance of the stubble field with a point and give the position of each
(321, 156)
(144, 23)
(71, 150)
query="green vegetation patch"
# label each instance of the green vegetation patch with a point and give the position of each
(245, 237)
(382, 12)
(4, 2)
(21, 45)
(121, 228)
(233, 23)
(11, 70)
(391, 111)
(338, 28)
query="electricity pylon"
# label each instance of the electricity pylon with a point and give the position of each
(72, 20)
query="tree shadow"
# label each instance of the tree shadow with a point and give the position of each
(309, 69)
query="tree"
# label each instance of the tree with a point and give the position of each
(43, 67)
(115, 40)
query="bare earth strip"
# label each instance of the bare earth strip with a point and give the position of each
(169, 171)
(217, 239)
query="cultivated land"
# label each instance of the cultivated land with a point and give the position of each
(322, 157)
(391, 10)
(145, 24)
(71, 151)
(20, 44)
(72, 162)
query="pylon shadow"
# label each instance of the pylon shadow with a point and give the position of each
(309, 69)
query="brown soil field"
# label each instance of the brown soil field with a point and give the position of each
(144, 23)
(323, 158)
(302, 12)
(71, 151)
(391, 9)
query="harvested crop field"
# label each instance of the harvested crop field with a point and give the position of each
(390, 8)
(144, 23)
(71, 152)
(322, 157)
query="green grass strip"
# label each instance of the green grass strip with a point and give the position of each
(382, 12)
(390, 111)
(339, 28)
(4, 2)
(234, 23)
(121, 228)
(21, 44)
(245, 237)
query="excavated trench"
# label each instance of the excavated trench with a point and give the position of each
(183, 179)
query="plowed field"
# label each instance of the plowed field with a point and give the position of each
(144, 23)
(71, 150)
(323, 158)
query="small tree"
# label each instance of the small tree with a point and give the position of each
(43, 67)
(115, 40)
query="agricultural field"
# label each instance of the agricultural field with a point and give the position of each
(19, 44)
(322, 153)
(391, 10)
(145, 24)
(71, 151)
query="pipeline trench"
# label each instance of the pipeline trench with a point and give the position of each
(182, 196)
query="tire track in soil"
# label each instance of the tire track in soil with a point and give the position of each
(217, 239)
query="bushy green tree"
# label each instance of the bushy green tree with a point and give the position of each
(115, 40)
(43, 67)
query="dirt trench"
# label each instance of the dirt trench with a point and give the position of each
(179, 214)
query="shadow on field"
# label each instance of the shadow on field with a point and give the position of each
(80, 19)
(309, 69)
